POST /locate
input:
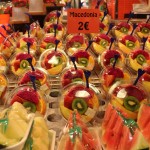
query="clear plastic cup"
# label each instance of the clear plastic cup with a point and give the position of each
(128, 43)
(53, 61)
(75, 42)
(19, 64)
(127, 98)
(41, 79)
(101, 43)
(60, 31)
(48, 42)
(84, 59)
(122, 29)
(33, 100)
(77, 96)
(107, 58)
(138, 59)
(22, 46)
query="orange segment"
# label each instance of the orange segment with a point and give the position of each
(3, 81)
(41, 106)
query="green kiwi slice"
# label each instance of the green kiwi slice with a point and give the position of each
(112, 60)
(124, 30)
(29, 105)
(59, 61)
(76, 79)
(131, 103)
(141, 59)
(130, 44)
(76, 44)
(80, 105)
(52, 19)
(50, 45)
(145, 30)
(24, 64)
(83, 61)
(103, 42)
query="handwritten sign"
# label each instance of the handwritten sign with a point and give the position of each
(83, 21)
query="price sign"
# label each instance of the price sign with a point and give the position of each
(83, 21)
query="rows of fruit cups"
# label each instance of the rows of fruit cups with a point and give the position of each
(113, 55)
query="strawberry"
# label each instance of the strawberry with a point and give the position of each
(81, 54)
(29, 94)
(101, 25)
(129, 38)
(23, 56)
(123, 24)
(108, 80)
(145, 77)
(104, 36)
(29, 40)
(16, 65)
(49, 39)
(68, 101)
(16, 98)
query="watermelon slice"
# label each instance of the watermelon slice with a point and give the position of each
(144, 121)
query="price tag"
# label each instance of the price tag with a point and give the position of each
(83, 21)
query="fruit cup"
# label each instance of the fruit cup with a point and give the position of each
(113, 76)
(7, 48)
(84, 59)
(128, 43)
(138, 59)
(101, 43)
(22, 46)
(19, 63)
(122, 29)
(41, 78)
(36, 30)
(3, 87)
(48, 42)
(78, 97)
(71, 75)
(53, 61)
(60, 30)
(51, 17)
(107, 58)
(75, 42)
(143, 30)
(32, 99)
(128, 98)
(3, 64)
(104, 19)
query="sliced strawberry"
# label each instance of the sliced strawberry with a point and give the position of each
(49, 39)
(108, 80)
(23, 56)
(29, 94)
(50, 15)
(46, 64)
(68, 101)
(29, 40)
(106, 37)
(81, 54)
(123, 24)
(16, 98)
(101, 25)
(147, 69)
(145, 77)
(16, 65)
(77, 38)
(135, 53)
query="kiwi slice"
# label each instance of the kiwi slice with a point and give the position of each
(59, 61)
(145, 30)
(103, 43)
(140, 59)
(50, 45)
(83, 61)
(51, 30)
(38, 82)
(76, 79)
(124, 30)
(76, 44)
(130, 44)
(112, 60)
(131, 103)
(24, 64)
(29, 105)
(52, 19)
(80, 105)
